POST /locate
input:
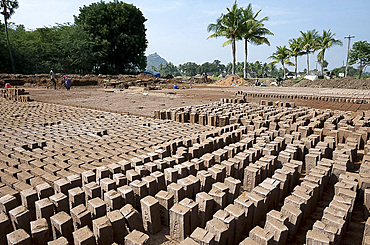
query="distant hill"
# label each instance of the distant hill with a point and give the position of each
(154, 60)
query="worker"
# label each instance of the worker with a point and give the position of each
(67, 82)
(52, 79)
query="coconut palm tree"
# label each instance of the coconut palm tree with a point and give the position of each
(296, 49)
(228, 25)
(253, 31)
(326, 41)
(281, 55)
(7, 8)
(309, 41)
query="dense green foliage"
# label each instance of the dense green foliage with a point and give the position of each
(281, 55)
(110, 42)
(360, 54)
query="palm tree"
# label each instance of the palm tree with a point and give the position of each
(309, 41)
(253, 31)
(296, 49)
(7, 8)
(281, 55)
(326, 41)
(228, 25)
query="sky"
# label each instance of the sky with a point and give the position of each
(177, 30)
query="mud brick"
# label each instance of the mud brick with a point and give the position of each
(151, 167)
(314, 237)
(24, 176)
(80, 217)
(87, 177)
(60, 202)
(96, 207)
(120, 179)
(180, 217)
(258, 203)
(330, 231)
(44, 190)
(206, 180)
(114, 168)
(127, 194)
(107, 184)
(132, 218)
(261, 236)
(248, 207)
(76, 197)
(136, 238)
(91, 190)
(220, 199)
(118, 223)
(230, 222)
(19, 237)
(202, 236)
(170, 161)
(171, 175)
(240, 221)
(125, 165)
(113, 199)
(208, 160)
(7, 203)
(294, 217)
(62, 186)
(136, 161)
(166, 201)
(188, 186)
(205, 211)
(182, 171)
(83, 236)
(102, 173)
(103, 231)
(177, 190)
(220, 155)
(191, 167)
(160, 179)
(132, 175)
(151, 185)
(251, 178)
(29, 197)
(5, 227)
(140, 191)
(151, 214)
(219, 229)
(217, 174)
(20, 218)
(39, 231)
(62, 225)
(248, 241)
(279, 231)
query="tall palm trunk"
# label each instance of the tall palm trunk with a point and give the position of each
(296, 65)
(245, 57)
(322, 62)
(282, 63)
(308, 63)
(360, 70)
(7, 40)
(233, 47)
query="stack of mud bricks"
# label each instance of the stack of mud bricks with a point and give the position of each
(356, 99)
(336, 217)
(215, 186)
(15, 94)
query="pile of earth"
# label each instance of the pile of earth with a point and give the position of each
(343, 83)
(233, 80)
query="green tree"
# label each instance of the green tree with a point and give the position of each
(7, 8)
(188, 68)
(360, 54)
(281, 55)
(119, 30)
(228, 25)
(325, 41)
(309, 41)
(4, 61)
(296, 49)
(253, 31)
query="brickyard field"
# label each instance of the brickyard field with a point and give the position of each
(197, 165)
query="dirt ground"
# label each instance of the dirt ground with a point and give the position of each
(143, 102)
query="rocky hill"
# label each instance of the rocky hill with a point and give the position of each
(154, 60)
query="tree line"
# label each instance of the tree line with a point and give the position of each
(106, 38)
(216, 68)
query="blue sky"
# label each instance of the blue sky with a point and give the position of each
(177, 30)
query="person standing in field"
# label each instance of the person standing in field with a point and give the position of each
(52, 79)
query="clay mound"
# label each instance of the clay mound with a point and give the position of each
(344, 83)
(143, 76)
(230, 80)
